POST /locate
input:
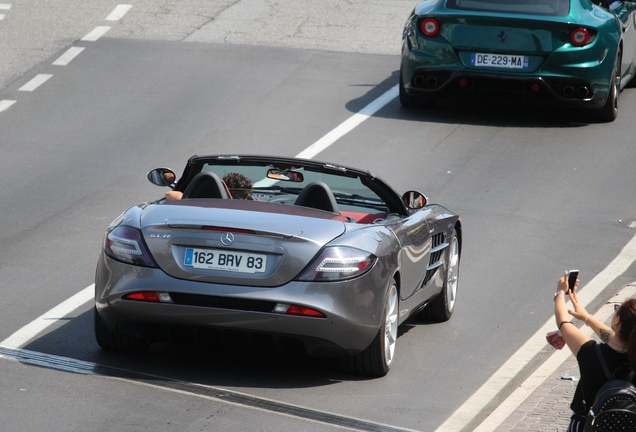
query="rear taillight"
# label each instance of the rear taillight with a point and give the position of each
(125, 243)
(581, 37)
(287, 309)
(430, 27)
(338, 263)
(149, 296)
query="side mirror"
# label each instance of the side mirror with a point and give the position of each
(414, 200)
(285, 175)
(162, 177)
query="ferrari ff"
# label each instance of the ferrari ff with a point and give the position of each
(572, 53)
(308, 254)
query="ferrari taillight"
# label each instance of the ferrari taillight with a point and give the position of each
(581, 37)
(125, 244)
(430, 27)
(338, 263)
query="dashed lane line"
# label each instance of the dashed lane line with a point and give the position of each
(119, 12)
(96, 33)
(6, 103)
(68, 56)
(35, 82)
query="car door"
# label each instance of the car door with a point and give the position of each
(414, 238)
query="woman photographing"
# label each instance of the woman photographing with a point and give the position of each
(617, 347)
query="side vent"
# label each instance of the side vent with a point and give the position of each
(438, 244)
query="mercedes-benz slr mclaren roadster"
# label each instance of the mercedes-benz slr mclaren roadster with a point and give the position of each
(308, 255)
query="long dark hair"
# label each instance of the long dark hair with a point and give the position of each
(627, 315)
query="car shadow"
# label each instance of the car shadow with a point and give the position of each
(472, 113)
(219, 366)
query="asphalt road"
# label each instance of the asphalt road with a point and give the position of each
(538, 192)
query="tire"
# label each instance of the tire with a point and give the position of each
(442, 307)
(377, 358)
(108, 339)
(609, 112)
(408, 101)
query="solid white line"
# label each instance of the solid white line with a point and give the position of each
(36, 82)
(5, 104)
(96, 33)
(348, 125)
(546, 370)
(69, 55)
(118, 12)
(28, 332)
(507, 372)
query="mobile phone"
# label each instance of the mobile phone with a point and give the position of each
(573, 275)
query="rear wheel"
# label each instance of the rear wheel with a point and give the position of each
(609, 112)
(409, 101)
(377, 358)
(442, 307)
(108, 339)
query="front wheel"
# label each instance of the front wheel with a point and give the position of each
(442, 307)
(377, 358)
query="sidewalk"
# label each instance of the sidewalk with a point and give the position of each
(548, 408)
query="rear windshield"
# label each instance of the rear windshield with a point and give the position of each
(528, 7)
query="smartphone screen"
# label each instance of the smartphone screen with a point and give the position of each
(573, 276)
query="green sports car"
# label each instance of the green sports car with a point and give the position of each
(572, 53)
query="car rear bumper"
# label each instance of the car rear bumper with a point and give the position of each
(513, 89)
(212, 312)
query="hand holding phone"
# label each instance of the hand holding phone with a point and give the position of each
(573, 275)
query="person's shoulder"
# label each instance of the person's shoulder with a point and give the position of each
(587, 350)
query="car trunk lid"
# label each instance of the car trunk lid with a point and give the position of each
(236, 241)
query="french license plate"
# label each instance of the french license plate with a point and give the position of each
(505, 61)
(214, 259)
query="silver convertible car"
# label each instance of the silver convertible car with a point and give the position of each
(308, 255)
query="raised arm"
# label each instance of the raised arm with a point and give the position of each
(573, 337)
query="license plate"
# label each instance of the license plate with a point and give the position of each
(214, 259)
(505, 61)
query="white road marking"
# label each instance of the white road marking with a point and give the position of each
(31, 330)
(96, 33)
(546, 370)
(69, 55)
(2, 16)
(5, 104)
(348, 125)
(5, 6)
(507, 372)
(36, 82)
(118, 12)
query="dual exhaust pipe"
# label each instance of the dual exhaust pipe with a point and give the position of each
(570, 91)
(422, 81)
